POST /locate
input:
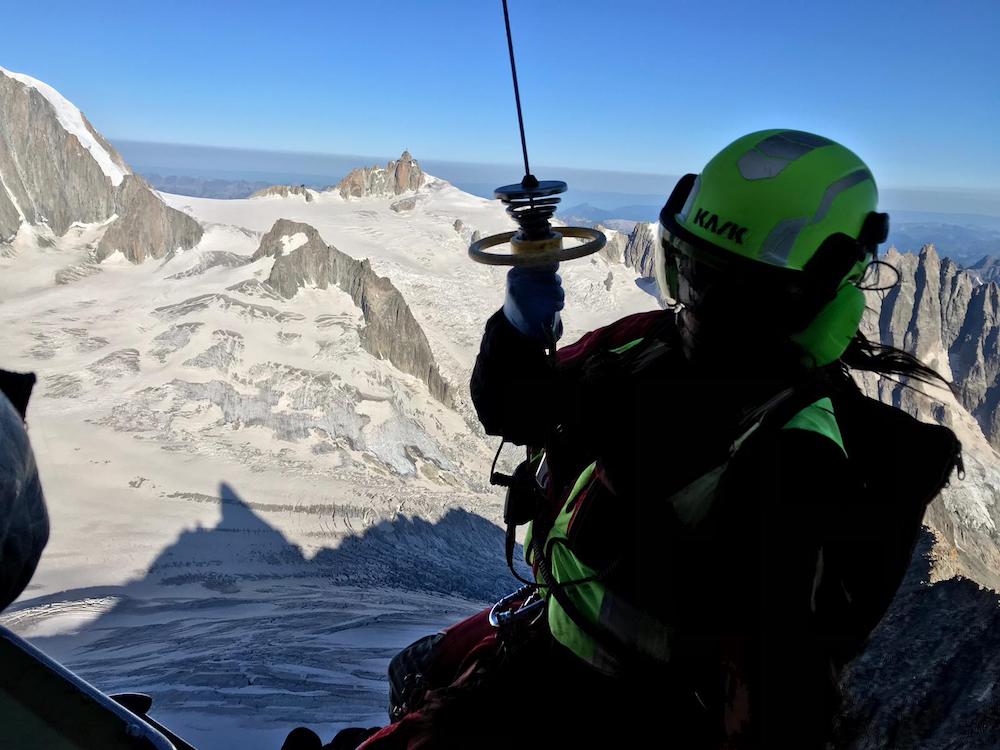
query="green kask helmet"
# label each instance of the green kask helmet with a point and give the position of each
(793, 211)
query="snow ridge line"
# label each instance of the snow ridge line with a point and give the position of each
(74, 123)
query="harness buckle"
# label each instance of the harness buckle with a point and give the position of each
(517, 611)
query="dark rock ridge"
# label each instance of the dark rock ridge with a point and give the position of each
(928, 677)
(987, 269)
(639, 252)
(285, 191)
(394, 178)
(49, 178)
(951, 321)
(391, 332)
(614, 250)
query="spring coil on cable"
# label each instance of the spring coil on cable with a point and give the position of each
(532, 215)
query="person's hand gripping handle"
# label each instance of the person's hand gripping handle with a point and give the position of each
(534, 298)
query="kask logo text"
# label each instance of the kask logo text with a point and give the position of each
(707, 220)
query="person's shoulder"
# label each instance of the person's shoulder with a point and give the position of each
(881, 436)
(621, 333)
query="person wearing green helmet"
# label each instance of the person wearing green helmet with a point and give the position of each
(794, 216)
(718, 516)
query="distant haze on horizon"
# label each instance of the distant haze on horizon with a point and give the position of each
(639, 86)
(603, 189)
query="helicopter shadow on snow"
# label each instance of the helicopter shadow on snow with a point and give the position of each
(461, 554)
(234, 622)
(236, 619)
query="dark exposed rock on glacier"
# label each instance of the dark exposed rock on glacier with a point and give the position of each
(285, 191)
(62, 386)
(254, 288)
(211, 259)
(223, 354)
(391, 332)
(50, 178)
(294, 405)
(174, 338)
(394, 178)
(406, 204)
(246, 310)
(116, 365)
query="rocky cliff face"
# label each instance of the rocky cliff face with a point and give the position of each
(56, 170)
(951, 321)
(614, 250)
(391, 332)
(928, 678)
(639, 252)
(285, 191)
(394, 178)
(987, 269)
(146, 226)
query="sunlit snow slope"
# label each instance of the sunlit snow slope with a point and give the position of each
(250, 512)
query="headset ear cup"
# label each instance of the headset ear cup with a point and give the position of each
(827, 336)
(832, 263)
(875, 229)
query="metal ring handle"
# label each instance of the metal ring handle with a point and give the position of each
(595, 242)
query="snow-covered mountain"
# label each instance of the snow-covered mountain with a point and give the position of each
(260, 459)
(254, 431)
(62, 180)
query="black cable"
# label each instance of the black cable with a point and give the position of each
(517, 90)
(501, 480)
(873, 285)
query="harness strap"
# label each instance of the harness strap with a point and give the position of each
(776, 413)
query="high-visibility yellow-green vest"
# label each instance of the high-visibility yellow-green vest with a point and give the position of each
(638, 631)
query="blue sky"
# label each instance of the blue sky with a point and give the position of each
(627, 86)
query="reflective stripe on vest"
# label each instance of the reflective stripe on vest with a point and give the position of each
(595, 602)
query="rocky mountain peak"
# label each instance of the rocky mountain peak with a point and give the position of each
(639, 250)
(56, 170)
(285, 191)
(302, 258)
(950, 320)
(396, 177)
(986, 269)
